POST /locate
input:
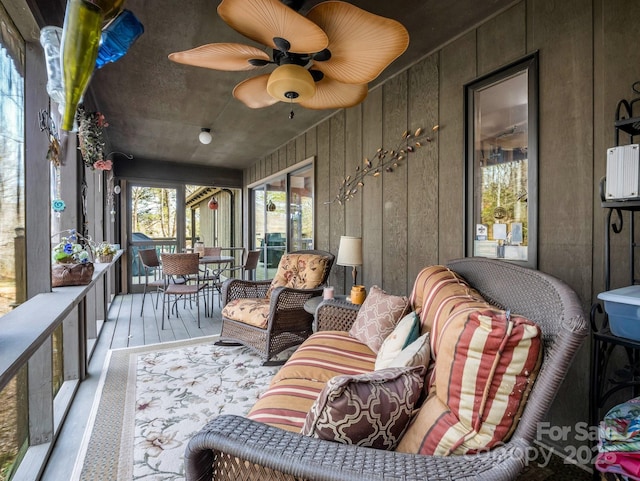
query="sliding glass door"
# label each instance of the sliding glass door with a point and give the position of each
(282, 217)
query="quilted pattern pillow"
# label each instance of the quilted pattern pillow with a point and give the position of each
(299, 271)
(486, 363)
(371, 410)
(437, 292)
(377, 318)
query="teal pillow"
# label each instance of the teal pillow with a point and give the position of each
(414, 333)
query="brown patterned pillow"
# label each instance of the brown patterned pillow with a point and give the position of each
(377, 318)
(371, 410)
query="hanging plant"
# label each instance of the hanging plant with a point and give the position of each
(91, 139)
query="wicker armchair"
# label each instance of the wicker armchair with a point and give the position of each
(276, 310)
(233, 447)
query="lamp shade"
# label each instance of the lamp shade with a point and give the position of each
(350, 251)
(291, 83)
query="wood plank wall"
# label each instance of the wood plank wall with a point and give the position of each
(414, 216)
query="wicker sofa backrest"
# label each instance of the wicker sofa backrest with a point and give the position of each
(546, 300)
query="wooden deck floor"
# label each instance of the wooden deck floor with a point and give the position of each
(124, 328)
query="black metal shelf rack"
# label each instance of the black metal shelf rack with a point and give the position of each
(604, 342)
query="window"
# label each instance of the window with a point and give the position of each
(13, 397)
(12, 232)
(502, 164)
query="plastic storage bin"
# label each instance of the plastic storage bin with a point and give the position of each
(623, 307)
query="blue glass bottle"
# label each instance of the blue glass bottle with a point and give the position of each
(117, 37)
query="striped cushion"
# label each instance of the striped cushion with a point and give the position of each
(297, 385)
(486, 363)
(437, 292)
(286, 403)
(326, 354)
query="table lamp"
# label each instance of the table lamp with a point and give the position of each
(350, 254)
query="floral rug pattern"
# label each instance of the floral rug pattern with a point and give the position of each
(170, 395)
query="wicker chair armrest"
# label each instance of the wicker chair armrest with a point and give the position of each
(335, 315)
(289, 298)
(241, 289)
(240, 448)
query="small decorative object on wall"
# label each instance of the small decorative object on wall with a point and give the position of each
(90, 136)
(382, 161)
(53, 155)
(213, 203)
(112, 189)
(271, 206)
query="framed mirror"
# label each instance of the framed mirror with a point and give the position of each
(502, 164)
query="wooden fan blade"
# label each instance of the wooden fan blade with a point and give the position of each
(262, 20)
(220, 56)
(362, 44)
(331, 94)
(253, 92)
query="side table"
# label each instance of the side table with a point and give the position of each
(312, 305)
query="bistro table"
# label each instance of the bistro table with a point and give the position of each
(220, 263)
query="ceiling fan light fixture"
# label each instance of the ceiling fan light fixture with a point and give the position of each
(291, 83)
(205, 136)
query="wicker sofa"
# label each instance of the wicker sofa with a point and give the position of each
(234, 447)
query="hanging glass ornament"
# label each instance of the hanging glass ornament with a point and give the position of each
(58, 205)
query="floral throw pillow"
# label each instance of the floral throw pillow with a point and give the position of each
(299, 271)
(371, 410)
(377, 318)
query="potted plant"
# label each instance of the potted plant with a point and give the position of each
(72, 261)
(105, 252)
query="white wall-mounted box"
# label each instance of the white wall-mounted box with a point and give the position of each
(623, 172)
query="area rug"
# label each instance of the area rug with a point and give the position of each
(152, 399)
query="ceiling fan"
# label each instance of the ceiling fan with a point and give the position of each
(323, 60)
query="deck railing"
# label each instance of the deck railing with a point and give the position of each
(76, 315)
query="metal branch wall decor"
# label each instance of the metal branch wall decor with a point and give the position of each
(382, 161)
